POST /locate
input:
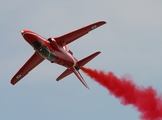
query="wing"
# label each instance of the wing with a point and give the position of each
(70, 37)
(34, 60)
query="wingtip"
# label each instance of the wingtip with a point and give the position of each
(99, 52)
(102, 22)
(58, 79)
(15, 79)
(12, 83)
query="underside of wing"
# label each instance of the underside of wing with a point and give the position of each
(34, 60)
(70, 37)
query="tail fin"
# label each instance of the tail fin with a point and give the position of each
(75, 70)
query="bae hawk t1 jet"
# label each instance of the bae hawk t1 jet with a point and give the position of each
(55, 50)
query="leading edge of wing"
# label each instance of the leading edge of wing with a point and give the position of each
(33, 61)
(70, 37)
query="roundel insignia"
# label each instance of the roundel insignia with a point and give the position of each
(18, 76)
(93, 27)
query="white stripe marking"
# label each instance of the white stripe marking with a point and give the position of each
(72, 58)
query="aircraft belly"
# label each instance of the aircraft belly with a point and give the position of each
(63, 60)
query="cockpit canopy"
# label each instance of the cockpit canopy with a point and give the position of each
(36, 44)
(44, 51)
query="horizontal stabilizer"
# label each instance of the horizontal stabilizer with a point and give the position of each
(87, 59)
(64, 74)
(80, 63)
(75, 70)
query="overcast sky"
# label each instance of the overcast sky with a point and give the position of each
(130, 43)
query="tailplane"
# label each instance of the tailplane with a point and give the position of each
(87, 59)
(75, 70)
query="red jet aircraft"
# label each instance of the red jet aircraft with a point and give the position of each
(55, 50)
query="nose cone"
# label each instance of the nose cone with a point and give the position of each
(29, 36)
(22, 32)
(26, 31)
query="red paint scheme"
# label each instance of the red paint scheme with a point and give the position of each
(55, 50)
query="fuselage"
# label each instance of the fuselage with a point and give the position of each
(49, 49)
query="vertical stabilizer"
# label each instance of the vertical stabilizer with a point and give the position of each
(76, 72)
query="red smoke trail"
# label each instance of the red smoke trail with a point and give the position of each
(146, 100)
